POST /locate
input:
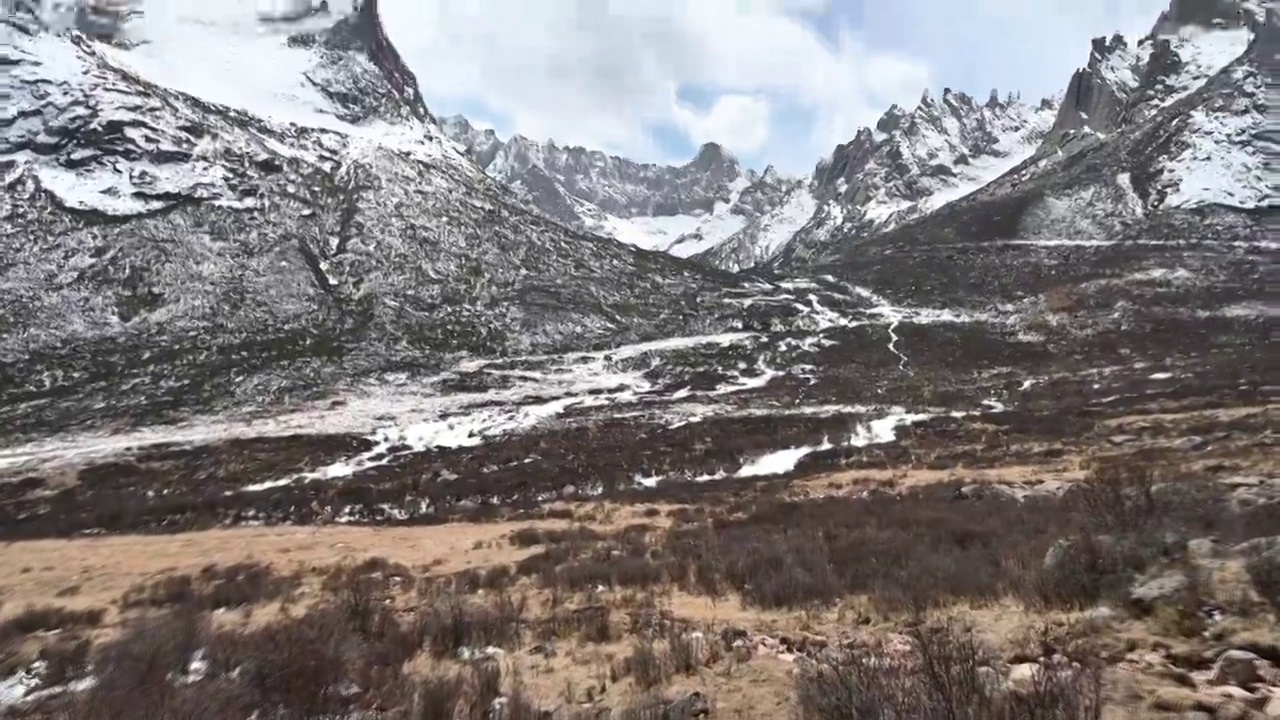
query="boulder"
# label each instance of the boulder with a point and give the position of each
(1205, 549)
(1145, 595)
(1236, 667)
(1236, 694)
(693, 705)
(1259, 547)
(1022, 677)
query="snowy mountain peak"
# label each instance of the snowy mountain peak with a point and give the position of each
(1126, 81)
(911, 163)
(229, 215)
(680, 209)
(712, 157)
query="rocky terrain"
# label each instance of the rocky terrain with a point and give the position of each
(681, 210)
(289, 370)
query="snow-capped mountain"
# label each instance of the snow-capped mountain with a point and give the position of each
(1185, 160)
(182, 227)
(1177, 118)
(911, 163)
(914, 161)
(682, 209)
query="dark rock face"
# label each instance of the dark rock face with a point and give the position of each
(1090, 101)
(1205, 13)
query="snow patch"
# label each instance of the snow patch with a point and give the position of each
(779, 462)
(1220, 165)
(1204, 53)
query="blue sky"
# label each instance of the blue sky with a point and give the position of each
(776, 81)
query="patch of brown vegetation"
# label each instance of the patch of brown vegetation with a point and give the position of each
(604, 604)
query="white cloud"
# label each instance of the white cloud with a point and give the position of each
(740, 122)
(599, 73)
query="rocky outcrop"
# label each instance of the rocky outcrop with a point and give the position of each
(1126, 80)
(1208, 14)
(914, 162)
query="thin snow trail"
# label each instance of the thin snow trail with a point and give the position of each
(891, 313)
(893, 344)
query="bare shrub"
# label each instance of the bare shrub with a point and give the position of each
(141, 662)
(1086, 570)
(45, 618)
(686, 651)
(592, 624)
(647, 665)
(451, 621)
(213, 588)
(948, 675)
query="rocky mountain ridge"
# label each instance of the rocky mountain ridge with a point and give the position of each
(911, 163)
(678, 209)
(915, 161)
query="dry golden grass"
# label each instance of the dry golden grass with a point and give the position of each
(95, 572)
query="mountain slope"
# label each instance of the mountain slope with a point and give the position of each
(169, 252)
(681, 210)
(1148, 131)
(912, 163)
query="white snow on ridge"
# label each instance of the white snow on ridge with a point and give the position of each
(679, 235)
(217, 52)
(765, 237)
(779, 462)
(1221, 164)
(220, 52)
(1204, 53)
(876, 432)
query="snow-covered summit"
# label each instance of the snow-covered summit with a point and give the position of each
(911, 163)
(1159, 140)
(681, 209)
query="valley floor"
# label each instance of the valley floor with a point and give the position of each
(1135, 548)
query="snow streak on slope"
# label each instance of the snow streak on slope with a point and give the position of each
(223, 53)
(1221, 164)
(680, 235)
(1018, 131)
(670, 382)
(760, 239)
(913, 162)
(1204, 53)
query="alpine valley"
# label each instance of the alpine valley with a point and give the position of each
(195, 249)
(249, 281)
